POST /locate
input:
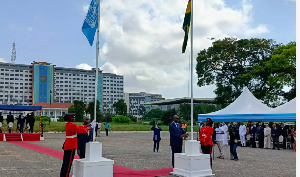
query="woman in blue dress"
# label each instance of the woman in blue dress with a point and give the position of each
(156, 136)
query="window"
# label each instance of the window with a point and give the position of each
(11, 74)
(11, 79)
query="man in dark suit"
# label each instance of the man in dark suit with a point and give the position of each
(83, 138)
(176, 135)
(260, 134)
(284, 134)
(10, 118)
(31, 122)
(21, 121)
(252, 135)
(275, 136)
(1, 121)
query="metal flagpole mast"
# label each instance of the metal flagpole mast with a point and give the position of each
(96, 80)
(192, 102)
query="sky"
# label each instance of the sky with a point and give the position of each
(139, 39)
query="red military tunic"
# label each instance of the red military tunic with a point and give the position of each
(71, 130)
(205, 136)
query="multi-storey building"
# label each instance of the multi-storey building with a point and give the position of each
(42, 82)
(15, 84)
(113, 90)
(135, 100)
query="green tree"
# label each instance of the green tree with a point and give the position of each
(120, 107)
(232, 64)
(154, 114)
(167, 117)
(283, 68)
(90, 110)
(142, 110)
(201, 108)
(78, 108)
(185, 111)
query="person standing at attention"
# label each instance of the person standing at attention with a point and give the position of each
(70, 144)
(242, 133)
(99, 129)
(219, 140)
(205, 138)
(267, 134)
(22, 122)
(225, 136)
(233, 133)
(156, 136)
(176, 135)
(83, 138)
(260, 134)
(106, 127)
(275, 135)
(294, 136)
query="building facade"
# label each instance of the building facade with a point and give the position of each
(113, 91)
(134, 101)
(42, 82)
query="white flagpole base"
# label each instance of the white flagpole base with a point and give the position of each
(192, 163)
(94, 165)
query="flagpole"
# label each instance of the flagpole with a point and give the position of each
(96, 79)
(192, 101)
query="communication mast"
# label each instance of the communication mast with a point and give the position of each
(13, 53)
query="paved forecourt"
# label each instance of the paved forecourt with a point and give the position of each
(135, 151)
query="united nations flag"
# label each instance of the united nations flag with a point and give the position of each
(90, 23)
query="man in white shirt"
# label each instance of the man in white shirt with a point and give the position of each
(219, 140)
(242, 132)
(225, 136)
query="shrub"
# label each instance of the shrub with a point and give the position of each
(44, 118)
(121, 119)
(60, 119)
(152, 122)
(133, 118)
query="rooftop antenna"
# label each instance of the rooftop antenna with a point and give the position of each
(13, 53)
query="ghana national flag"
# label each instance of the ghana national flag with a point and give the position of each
(186, 25)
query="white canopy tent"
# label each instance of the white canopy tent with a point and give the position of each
(248, 108)
(289, 107)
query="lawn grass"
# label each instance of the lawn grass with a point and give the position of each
(60, 127)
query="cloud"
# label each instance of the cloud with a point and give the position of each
(84, 66)
(29, 28)
(2, 60)
(291, 0)
(85, 8)
(144, 44)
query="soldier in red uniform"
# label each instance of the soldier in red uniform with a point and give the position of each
(205, 138)
(70, 144)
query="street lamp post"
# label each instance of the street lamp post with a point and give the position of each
(50, 108)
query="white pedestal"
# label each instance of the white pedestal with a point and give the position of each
(192, 163)
(94, 165)
(42, 138)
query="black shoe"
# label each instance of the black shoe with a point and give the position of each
(273, 148)
(232, 159)
(278, 149)
(236, 159)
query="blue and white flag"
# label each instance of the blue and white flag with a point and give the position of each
(90, 23)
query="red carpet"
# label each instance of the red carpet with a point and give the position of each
(119, 171)
(26, 136)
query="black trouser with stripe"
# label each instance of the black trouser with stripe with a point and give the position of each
(207, 150)
(67, 162)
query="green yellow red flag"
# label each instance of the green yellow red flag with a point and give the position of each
(186, 25)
